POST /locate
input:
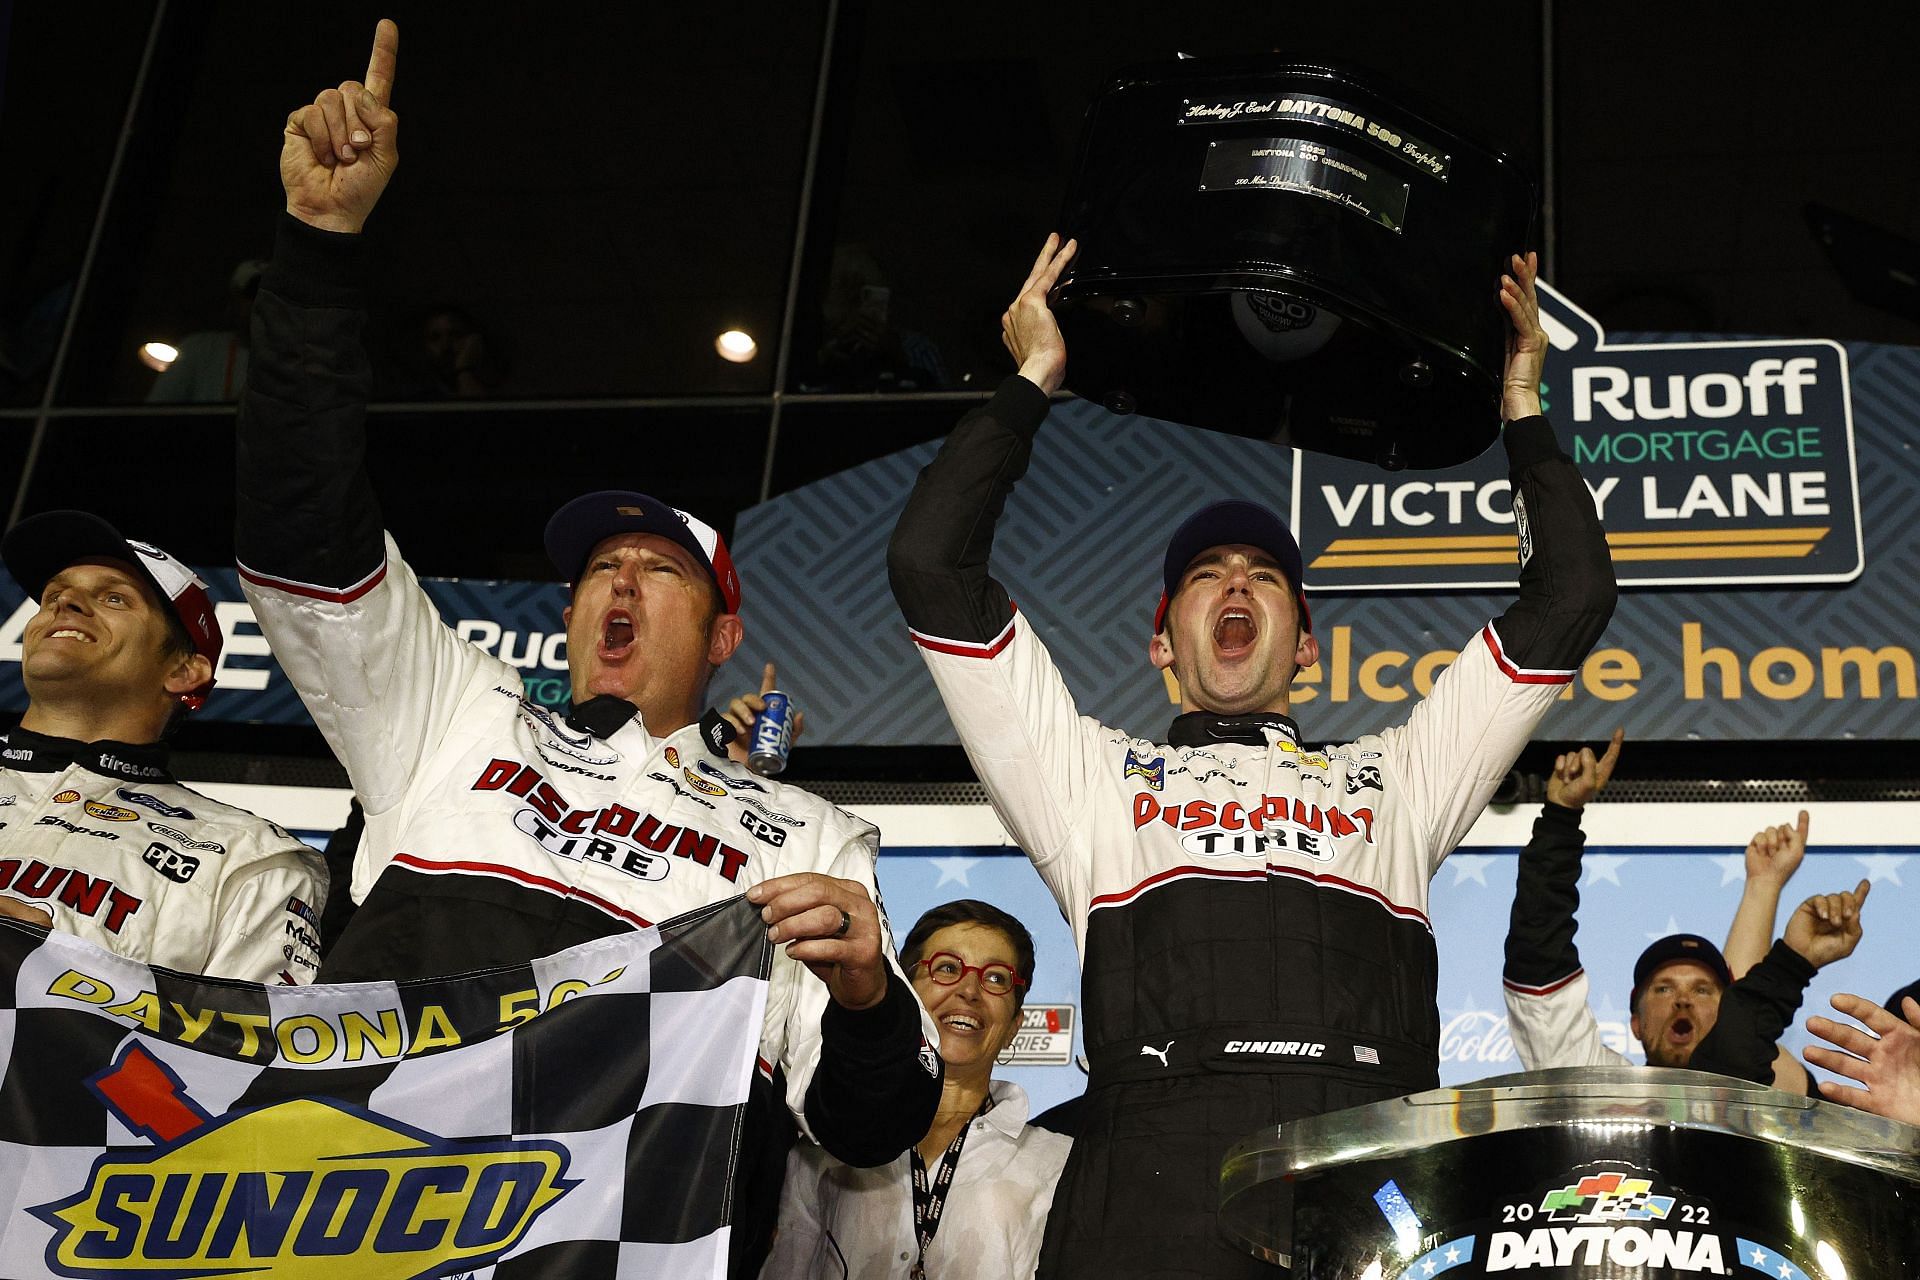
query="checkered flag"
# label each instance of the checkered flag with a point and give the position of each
(576, 1116)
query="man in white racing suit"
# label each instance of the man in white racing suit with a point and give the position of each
(498, 831)
(1250, 911)
(97, 837)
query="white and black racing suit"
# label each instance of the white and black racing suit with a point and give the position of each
(496, 831)
(101, 836)
(1250, 912)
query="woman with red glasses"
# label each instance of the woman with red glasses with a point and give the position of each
(969, 1201)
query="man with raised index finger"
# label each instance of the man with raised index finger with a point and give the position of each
(496, 831)
(1250, 912)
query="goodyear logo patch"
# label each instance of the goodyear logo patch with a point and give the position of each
(298, 1190)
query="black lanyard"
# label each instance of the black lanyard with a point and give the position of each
(930, 1198)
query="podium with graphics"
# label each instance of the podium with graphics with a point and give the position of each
(1583, 1172)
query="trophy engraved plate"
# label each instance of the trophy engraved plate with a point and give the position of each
(1291, 252)
(1307, 168)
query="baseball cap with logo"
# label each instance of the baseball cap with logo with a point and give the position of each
(41, 546)
(1673, 949)
(1221, 524)
(583, 524)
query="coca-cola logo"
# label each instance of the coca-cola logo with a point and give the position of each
(1477, 1036)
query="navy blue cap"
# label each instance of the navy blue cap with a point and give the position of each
(1893, 1001)
(583, 524)
(1225, 523)
(1673, 949)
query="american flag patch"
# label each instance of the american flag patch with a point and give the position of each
(1361, 1053)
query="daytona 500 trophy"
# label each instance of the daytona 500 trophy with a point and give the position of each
(1281, 250)
(1587, 1172)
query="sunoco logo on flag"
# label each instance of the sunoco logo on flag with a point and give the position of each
(518, 1119)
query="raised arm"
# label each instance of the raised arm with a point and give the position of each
(1543, 982)
(1773, 855)
(1460, 741)
(306, 511)
(937, 559)
(1755, 1010)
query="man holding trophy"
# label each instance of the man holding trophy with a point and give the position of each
(1250, 912)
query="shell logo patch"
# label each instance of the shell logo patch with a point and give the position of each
(65, 797)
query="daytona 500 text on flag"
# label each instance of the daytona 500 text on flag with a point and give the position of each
(578, 1115)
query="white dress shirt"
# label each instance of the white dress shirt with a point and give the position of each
(842, 1223)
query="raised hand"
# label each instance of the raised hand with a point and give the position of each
(1885, 1057)
(338, 152)
(1578, 776)
(746, 708)
(1028, 328)
(1527, 346)
(1826, 927)
(831, 926)
(1774, 854)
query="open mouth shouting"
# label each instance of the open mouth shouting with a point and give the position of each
(616, 635)
(1235, 631)
(1680, 1032)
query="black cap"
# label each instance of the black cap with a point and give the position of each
(583, 524)
(1225, 523)
(1893, 1001)
(1673, 949)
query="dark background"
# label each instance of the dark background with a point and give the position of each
(600, 189)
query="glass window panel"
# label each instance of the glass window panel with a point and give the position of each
(596, 191)
(465, 494)
(66, 71)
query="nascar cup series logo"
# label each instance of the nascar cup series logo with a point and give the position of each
(297, 1190)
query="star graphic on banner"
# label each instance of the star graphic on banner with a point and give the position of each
(954, 870)
(1759, 1256)
(1785, 1271)
(1453, 1254)
(1673, 927)
(1603, 866)
(1882, 866)
(1470, 866)
(1733, 867)
(1431, 1266)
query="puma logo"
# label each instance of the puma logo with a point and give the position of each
(1149, 1051)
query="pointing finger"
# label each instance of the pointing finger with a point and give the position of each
(769, 679)
(384, 60)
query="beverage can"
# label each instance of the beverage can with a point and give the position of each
(772, 735)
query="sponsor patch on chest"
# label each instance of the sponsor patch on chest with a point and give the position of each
(1272, 825)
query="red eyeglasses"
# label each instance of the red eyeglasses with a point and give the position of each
(946, 969)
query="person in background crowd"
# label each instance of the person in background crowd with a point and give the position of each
(1688, 1010)
(212, 364)
(970, 1200)
(1883, 1054)
(496, 831)
(97, 838)
(1250, 912)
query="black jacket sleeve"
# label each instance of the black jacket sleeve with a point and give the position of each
(937, 561)
(306, 510)
(1540, 950)
(1567, 588)
(877, 1084)
(1754, 1013)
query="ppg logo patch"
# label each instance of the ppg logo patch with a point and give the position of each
(171, 863)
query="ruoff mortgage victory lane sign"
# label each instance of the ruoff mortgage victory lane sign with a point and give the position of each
(1710, 463)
